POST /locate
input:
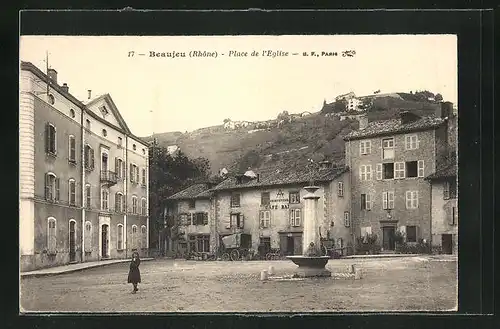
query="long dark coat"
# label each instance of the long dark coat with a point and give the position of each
(134, 275)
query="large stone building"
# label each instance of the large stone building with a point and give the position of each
(389, 161)
(83, 177)
(268, 206)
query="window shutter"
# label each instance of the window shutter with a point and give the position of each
(361, 144)
(116, 167)
(385, 197)
(57, 189)
(137, 174)
(228, 222)
(292, 217)
(92, 158)
(368, 201)
(123, 204)
(361, 172)
(408, 199)
(421, 168)
(47, 137)
(131, 173)
(450, 214)
(297, 217)
(379, 171)
(261, 218)
(117, 202)
(205, 218)
(417, 141)
(242, 221)
(446, 190)
(390, 200)
(47, 186)
(417, 233)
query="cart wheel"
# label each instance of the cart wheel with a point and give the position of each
(269, 256)
(225, 256)
(324, 251)
(235, 255)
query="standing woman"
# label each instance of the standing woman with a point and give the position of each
(134, 275)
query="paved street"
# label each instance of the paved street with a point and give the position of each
(403, 283)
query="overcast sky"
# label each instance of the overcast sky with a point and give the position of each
(183, 94)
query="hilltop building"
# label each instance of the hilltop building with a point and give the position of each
(83, 177)
(389, 161)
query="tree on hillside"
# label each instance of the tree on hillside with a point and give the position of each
(438, 98)
(340, 106)
(169, 175)
(365, 104)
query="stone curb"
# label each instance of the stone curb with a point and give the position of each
(36, 274)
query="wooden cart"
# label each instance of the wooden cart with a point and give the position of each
(236, 246)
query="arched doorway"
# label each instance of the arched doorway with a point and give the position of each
(105, 241)
(72, 241)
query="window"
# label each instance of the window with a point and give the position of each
(50, 139)
(340, 189)
(134, 205)
(202, 243)
(144, 243)
(387, 171)
(134, 147)
(119, 142)
(72, 149)
(347, 219)
(88, 199)
(89, 157)
(104, 133)
(119, 202)
(366, 230)
(51, 187)
(184, 219)
(144, 209)
(200, 218)
(295, 217)
(411, 169)
(450, 189)
(453, 219)
(388, 148)
(119, 237)
(421, 171)
(143, 151)
(265, 218)
(52, 99)
(143, 182)
(87, 124)
(104, 199)
(411, 142)
(237, 221)
(192, 204)
(72, 192)
(411, 199)
(88, 236)
(365, 147)
(51, 235)
(119, 168)
(72, 113)
(294, 197)
(134, 237)
(235, 200)
(388, 200)
(399, 170)
(366, 202)
(411, 233)
(365, 172)
(265, 198)
(134, 173)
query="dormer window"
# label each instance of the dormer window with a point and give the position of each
(134, 147)
(52, 100)
(104, 110)
(104, 133)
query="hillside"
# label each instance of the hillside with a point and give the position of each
(290, 139)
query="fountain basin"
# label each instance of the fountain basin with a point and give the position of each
(311, 266)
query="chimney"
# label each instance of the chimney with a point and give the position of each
(408, 117)
(445, 110)
(65, 88)
(90, 93)
(52, 75)
(325, 165)
(363, 121)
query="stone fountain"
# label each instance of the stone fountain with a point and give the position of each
(311, 263)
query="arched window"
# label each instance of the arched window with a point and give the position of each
(134, 204)
(72, 149)
(88, 236)
(119, 237)
(50, 139)
(143, 181)
(143, 237)
(105, 199)
(134, 237)
(144, 209)
(51, 235)
(72, 192)
(72, 113)
(51, 187)
(88, 196)
(119, 202)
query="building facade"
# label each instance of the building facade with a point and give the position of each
(83, 177)
(444, 210)
(389, 161)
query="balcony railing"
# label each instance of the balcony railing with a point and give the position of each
(108, 177)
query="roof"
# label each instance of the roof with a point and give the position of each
(450, 171)
(293, 175)
(27, 66)
(195, 191)
(394, 126)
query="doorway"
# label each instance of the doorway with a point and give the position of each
(447, 243)
(104, 164)
(72, 241)
(290, 245)
(388, 233)
(104, 241)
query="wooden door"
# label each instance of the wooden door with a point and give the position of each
(105, 241)
(72, 242)
(388, 237)
(447, 243)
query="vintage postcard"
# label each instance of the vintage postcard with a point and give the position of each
(238, 173)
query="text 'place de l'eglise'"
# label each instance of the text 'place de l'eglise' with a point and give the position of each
(84, 187)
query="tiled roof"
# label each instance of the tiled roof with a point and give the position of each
(195, 191)
(449, 171)
(394, 126)
(294, 175)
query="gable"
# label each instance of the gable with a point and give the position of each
(104, 107)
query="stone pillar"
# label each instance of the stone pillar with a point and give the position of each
(311, 227)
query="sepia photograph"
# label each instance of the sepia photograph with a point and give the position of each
(240, 174)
